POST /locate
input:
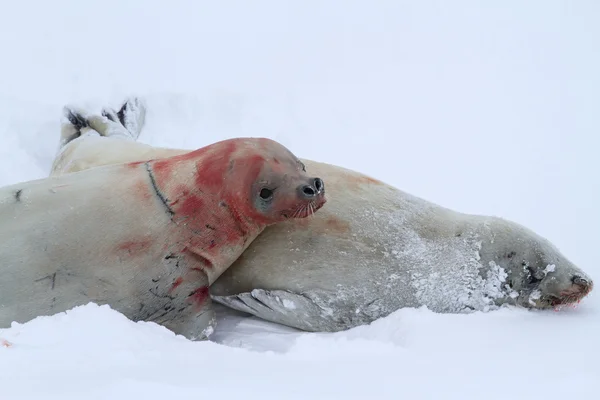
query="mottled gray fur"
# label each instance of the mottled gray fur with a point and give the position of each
(375, 249)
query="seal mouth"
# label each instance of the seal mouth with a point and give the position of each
(573, 295)
(305, 210)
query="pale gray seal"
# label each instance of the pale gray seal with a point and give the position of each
(147, 238)
(375, 249)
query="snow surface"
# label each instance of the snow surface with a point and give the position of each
(482, 107)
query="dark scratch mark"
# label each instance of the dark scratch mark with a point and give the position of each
(51, 277)
(53, 280)
(162, 198)
(18, 195)
(160, 316)
(105, 281)
(164, 296)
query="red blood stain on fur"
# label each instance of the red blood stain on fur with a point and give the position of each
(199, 260)
(199, 296)
(162, 169)
(133, 247)
(337, 225)
(181, 191)
(141, 190)
(134, 164)
(205, 262)
(369, 180)
(5, 343)
(176, 283)
(189, 206)
(212, 169)
(240, 228)
(360, 181)
(203, 189)
(331, 225)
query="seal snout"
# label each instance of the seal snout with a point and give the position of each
(581, 285)
(313, 189)
(579, 288)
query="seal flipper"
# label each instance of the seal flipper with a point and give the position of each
(282, 307)
(185, 306)
(73, 125)
(131, 116)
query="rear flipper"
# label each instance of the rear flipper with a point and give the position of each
(282, 307)
(131, 116)
(126, 123)
(74, 124)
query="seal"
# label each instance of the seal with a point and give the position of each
(147, 238)
(375, 249)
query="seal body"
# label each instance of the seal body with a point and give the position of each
(146, 238)
(375, 249)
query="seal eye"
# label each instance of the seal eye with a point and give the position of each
(266, 194)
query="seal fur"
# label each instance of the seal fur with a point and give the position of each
(146, 238)
(375, 249)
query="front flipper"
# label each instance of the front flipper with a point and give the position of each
(179, 299)
(283, 307)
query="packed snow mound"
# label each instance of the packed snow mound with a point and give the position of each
(94, 352)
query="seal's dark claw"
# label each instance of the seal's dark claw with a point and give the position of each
(132, 115)
(75, 118)
(110, 114)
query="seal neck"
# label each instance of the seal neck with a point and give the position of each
(209, 221)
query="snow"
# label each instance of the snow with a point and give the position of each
(484, 108)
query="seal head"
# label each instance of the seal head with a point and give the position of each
(223, 195)
(538, 275)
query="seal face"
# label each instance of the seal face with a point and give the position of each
(373, 250)
(146, 238)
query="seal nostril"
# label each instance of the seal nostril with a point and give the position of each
(309, 191)
(578, 280)
(318, 184)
